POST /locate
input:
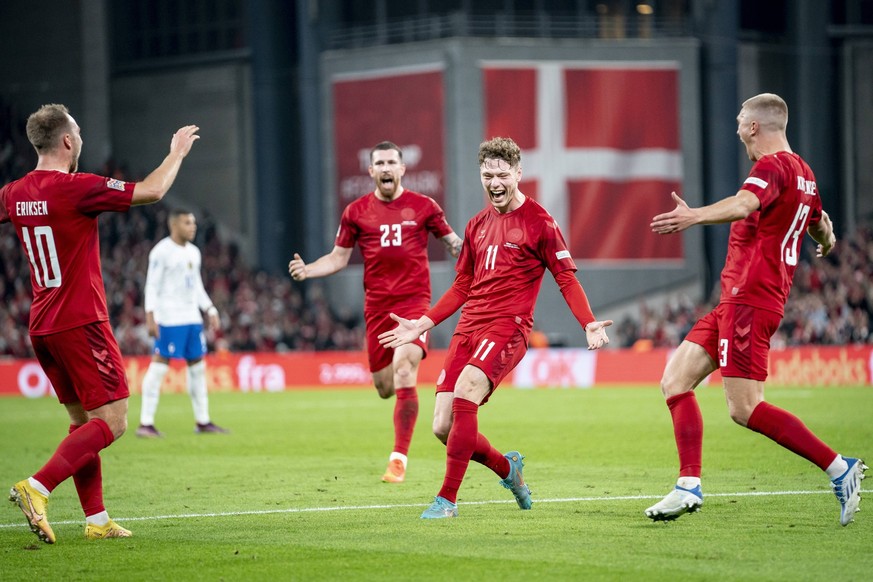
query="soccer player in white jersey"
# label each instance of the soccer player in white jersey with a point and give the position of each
(174, 301)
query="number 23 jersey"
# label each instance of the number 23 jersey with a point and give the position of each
(393, 240)
(55, 217)
(763, 248)
(507, 255)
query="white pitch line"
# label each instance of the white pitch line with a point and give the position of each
(410, 505)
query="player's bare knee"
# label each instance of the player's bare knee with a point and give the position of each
(384, 390)
(740, 415)
(441, 429)
(669, 387)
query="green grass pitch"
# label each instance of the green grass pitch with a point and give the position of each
(294, 493)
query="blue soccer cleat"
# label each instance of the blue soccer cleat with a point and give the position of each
(847, 488)
(440, 509)
(515, 480)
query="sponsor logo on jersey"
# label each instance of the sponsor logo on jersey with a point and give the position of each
(562, 255)
(115, 184)
(510, 245)
(408, 223)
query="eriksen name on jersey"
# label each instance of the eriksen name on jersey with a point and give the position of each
(31, 208)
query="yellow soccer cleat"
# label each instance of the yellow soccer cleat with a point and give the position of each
(102, 532)
(33, 505)
(395, 473)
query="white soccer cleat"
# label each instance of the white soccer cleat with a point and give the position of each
(678, 502)
(847, 488)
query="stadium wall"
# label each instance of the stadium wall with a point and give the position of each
(830, 366)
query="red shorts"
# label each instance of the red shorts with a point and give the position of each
(377, 323)
(496, 349)
(83, 364)
(737, 337)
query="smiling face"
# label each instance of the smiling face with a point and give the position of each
(387, 169)
(500, 182)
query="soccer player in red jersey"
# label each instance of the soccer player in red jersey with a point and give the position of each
(391, 227)
(776, 204)
(507, 248)
(54, 210)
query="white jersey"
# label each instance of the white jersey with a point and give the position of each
(174, 289)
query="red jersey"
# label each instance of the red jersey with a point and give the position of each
(763, 248)
(506, 255)
(393, 240)
(55, 216)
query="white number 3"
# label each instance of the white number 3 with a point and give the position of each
(722, 352)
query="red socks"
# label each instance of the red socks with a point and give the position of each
(790, 432)
(405, 415)
(89, 483)
(688, 430)
(487, 455)
(78, 450)
(460, 446)
(466, 443)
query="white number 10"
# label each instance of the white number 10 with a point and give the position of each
(44, 241)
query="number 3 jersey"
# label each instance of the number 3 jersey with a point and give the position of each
(55, 217)
(393, 239)
(507, 255)
(763, 248)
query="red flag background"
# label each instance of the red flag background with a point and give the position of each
(609, 156)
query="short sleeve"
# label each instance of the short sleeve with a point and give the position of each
(765, 181)
(436, 221)
(100, 194)
(348, 231)
(4, 213)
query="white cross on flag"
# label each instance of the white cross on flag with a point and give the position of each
(600, 149)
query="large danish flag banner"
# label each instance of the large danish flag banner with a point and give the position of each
(600, 149)
(404, 106)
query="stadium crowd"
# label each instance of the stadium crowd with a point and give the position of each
(831, 302)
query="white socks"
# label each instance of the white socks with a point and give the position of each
(197, 391)
(100, 519)
(837, 467)
(399, 456)
(38, 486)
(151, 392)
(688, 482)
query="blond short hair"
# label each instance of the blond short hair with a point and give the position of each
(769, 110)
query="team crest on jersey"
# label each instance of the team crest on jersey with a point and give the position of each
(115, 184)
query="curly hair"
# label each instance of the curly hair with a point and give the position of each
(500, 148)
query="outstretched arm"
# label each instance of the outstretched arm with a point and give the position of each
(156, 184)
(450, 302)
(406, 331)
(683, 216)
(334, 261)
(574, 295)
(823, 233)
